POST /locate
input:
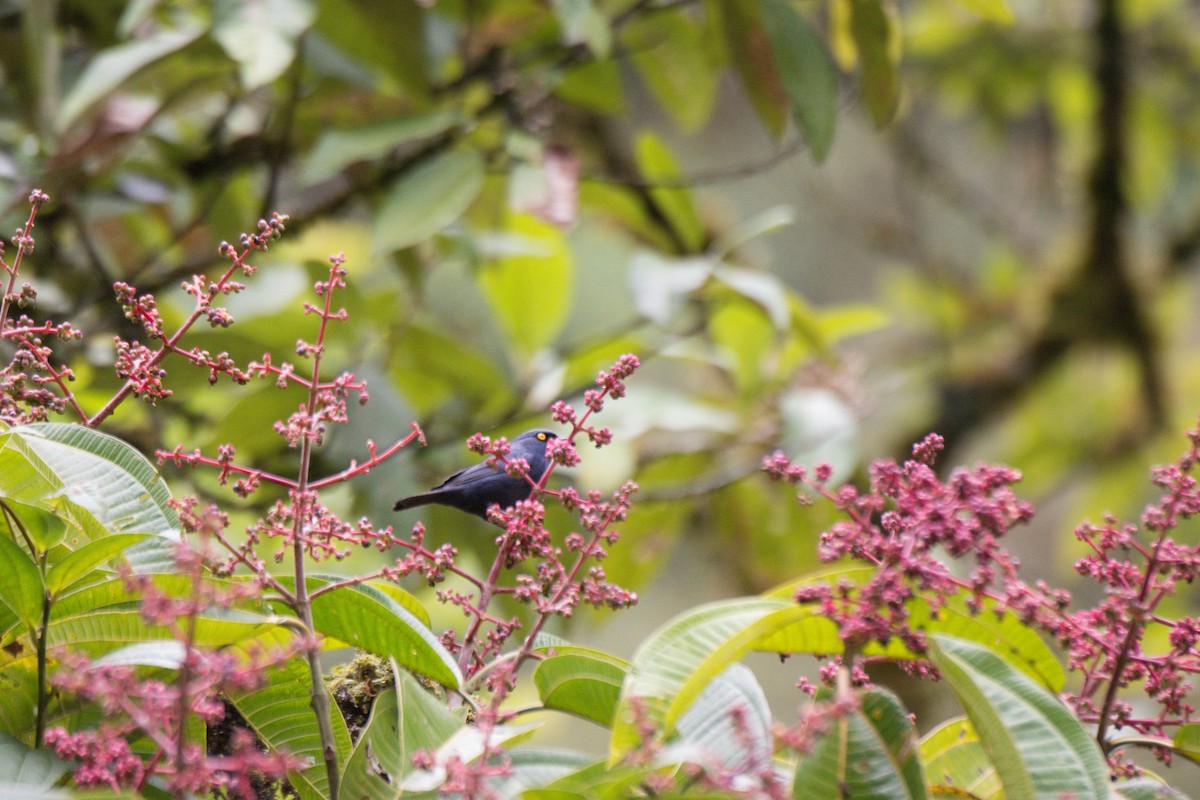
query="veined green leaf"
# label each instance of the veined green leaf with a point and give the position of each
(43, 528)
(1039, 748)
(21, 587)
(869, 753)
(676, 662)
(1005, 634)
(363, 616)
(281, 713)
(71, 469)
(79, 563)
(729, 724)
(27, 768)
(956, 762)
(403, 721)
(582, 682)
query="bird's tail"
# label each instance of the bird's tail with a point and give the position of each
(414, 501)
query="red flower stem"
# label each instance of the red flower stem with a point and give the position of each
(203, 300)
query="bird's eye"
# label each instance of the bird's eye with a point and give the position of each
(542, 436)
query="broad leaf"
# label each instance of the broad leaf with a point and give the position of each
(111, 68)
(530, 290)
(1004, 633)
(867, 754)
(428, 198)
(79, 472)
(676, 63)
(1146, 789)
(27, 768)
(875, 37)
(675, 663)
(403, 721)
(956, 762)
(750, 52)
(657, 164)
(21, 586)
(805, 71)
(363, 616)
(340, 147)
(281, 713)
(581, 681)
(536, 767)
(729, 725)
(81, 562)
(1039, 748)
(274, 26)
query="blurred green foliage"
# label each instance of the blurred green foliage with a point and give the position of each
(514, 217)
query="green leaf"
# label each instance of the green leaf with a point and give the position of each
(750, 52)
(44, 528)
(581, 681)
(163, 653)
(114, 66)
(403, 721)
(1039, 748)
(273, 26)
(280, 712)
(669, 52)
(535, 767)
(1003, 633)
(18, 698)
(764, 222)
(761, 288)
(427, 199)
(72, 469)
(101, 632)
(21, 586)
(675, 663)
(805, 71)
(363, 616)
(867, 754)
(657, 164)
(594, 85)
(24, 767)
(1187, 740)
(81, 562)
(595, 782)
(875, 37)
(956, 762)
(1146, 788)
(729, 725)
(582, 23)
(530, 291)
(340, 147)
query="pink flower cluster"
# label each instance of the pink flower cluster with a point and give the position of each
(908, 516)
(902, 524)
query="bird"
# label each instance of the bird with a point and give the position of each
(478, 487)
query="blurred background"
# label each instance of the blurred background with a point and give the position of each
(826, 227)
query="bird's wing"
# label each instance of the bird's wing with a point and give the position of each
(466, 477)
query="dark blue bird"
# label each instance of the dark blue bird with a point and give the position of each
(478, 487)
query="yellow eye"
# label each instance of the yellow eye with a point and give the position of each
(542, 436)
